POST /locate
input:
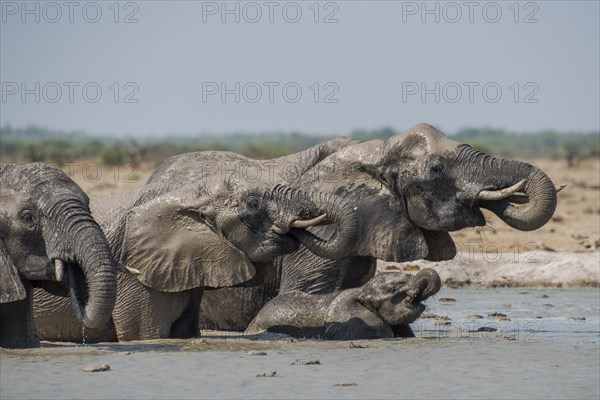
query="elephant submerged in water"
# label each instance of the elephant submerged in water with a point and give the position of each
(49, 239)
(183, 240)
(382, 308)
(409, 191)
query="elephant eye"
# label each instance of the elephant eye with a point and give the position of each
(437, 168)
(27, 217)
(253, 203)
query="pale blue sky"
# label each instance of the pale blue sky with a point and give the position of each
(374, 61)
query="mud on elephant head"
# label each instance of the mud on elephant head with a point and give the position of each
(49, 239)
(382, 308)
(412, 189)
(222, 233)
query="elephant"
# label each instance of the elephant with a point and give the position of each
(382, 308)
(49, 240)
(409, 192)
(182, 240)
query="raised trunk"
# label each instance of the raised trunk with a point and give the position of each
(425, 284)
(338, 212)
(537, 211)
(496, 174)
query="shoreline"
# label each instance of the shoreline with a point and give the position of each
(536, 269)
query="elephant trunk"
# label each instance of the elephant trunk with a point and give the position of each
(425, 284)
(501, 179)
(88, 261)
(537, 211)
(319, 205)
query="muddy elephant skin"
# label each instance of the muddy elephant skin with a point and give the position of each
(49, 239)
(185, 239)
(382, 308)
(409, 191)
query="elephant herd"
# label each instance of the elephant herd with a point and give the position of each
(215, 240)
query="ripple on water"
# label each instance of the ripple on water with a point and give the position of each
(552, 357)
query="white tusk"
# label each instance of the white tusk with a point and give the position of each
(127, 270)
(522, 198)
(308, 223)
(59, 269)
(502, 193)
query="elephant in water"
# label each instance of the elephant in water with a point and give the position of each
(49, 239)
(409, 192)
(382, 308)
(214, 234)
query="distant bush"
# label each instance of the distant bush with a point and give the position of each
(112, 156)
(31, 152)
(39, 144)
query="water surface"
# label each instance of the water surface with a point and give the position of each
(555, 356)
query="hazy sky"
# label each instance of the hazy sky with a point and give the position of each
(327, 67)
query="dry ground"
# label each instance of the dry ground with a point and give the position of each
(575, 226)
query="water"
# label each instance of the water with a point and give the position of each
(526, 357)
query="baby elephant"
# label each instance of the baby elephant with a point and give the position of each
(382, 308)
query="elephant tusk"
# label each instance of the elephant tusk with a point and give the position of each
(502, 193)
(303, 224)
(522, 198)
(59, 269)
(127, 270)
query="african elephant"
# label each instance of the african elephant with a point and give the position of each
(381, 308)
(409, 191)
(49, 239)
(182, 240)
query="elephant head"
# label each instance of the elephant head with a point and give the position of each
(382, 308)
(412, 189)
(48, 234)
(397, 297)
(222, 233)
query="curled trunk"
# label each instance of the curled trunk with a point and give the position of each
(536, 212)
(337, 211)
(496, 174)
(425, 284)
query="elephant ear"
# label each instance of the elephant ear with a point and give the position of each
(387, 233)
(11, 287)
(354, 174)
(169, 241)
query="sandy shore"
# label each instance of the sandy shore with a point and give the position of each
(493, 269)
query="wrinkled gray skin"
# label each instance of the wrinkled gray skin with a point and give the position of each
(44, 216)
(382, 308)
(409, 191)
(216, 234)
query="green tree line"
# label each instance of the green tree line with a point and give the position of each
(39, 144)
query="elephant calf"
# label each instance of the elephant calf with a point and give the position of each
(382, 308)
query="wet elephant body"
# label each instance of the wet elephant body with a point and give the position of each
(49, 239)
(183, 239)
(409, 192)
(382, 308)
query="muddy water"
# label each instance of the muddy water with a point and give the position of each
(555, 356)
